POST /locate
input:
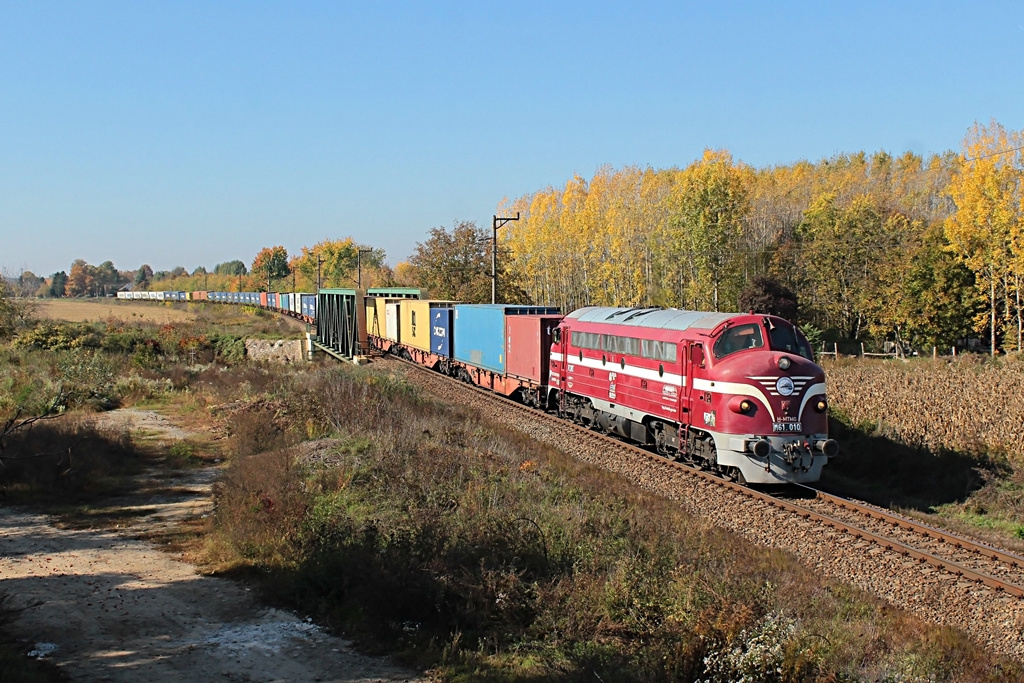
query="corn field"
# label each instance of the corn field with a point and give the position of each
(965, 405)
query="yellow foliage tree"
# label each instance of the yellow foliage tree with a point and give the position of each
(985, 230)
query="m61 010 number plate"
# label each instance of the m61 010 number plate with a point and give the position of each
(787, 427)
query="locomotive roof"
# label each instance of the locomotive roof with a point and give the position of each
(661, 318)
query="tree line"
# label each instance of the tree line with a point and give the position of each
(330, 263)
(921, 250)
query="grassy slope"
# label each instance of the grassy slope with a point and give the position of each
(420, 528)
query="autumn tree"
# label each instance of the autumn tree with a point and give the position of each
(338, 263)
(143, 277)
(12, 312)
(455, 265)
(765, 295)
(853, 234)
(28, 284)
(230, 268)
(835, 259)
(986, 231)
(81, 279)
(106, 278)
(58, 283)
(707, 202)
(270, 263)
(934, 300)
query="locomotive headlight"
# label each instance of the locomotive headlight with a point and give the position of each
(784, 363)
(821, 406)
(741, 405)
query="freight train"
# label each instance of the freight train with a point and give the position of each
(735, 394)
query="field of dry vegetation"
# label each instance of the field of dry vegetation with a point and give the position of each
(968, 404)
(943, 436)
(419, 530)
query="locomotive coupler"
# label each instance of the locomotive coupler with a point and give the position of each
(793, 454)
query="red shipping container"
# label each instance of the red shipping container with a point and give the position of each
(528, 346)
(263, 299)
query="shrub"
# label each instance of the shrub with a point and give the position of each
(59, 336)
(229, 349)
(64, 454)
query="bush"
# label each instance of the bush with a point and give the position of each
(59, 336)
(63, 455)
(229, 349)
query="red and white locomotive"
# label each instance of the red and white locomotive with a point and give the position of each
(732, 393)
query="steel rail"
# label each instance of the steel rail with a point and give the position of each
(928, 531)
(773, 501)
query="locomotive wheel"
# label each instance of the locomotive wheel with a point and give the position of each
(661, 443)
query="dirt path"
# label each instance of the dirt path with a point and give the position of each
(106, 606)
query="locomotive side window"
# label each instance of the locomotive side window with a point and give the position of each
(738, 338)
(586, 340)
(658, 350)
(627, 346)
(786, 338)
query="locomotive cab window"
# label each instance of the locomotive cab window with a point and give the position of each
(737, 339)
(787, 338)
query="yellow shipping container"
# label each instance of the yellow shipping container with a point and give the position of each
(416, 316)
(376, 317)
(374, 324)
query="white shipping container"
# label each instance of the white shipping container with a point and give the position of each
(391, 321)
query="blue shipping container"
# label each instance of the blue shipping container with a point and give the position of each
(441, 331)
(480, 332)
(309, 305)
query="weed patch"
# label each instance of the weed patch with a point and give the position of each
(64, 457)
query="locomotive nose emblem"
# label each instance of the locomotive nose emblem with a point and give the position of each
(784, 386)
(785, 407)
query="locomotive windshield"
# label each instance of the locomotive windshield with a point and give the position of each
(786, 338)
(738, 338)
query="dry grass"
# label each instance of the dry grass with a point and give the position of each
(96, 310)
(64, 459)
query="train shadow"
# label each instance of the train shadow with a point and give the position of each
(884, 472)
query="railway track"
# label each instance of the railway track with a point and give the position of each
(943, 577)
(962, 556)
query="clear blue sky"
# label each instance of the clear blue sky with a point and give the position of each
(191, 133)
